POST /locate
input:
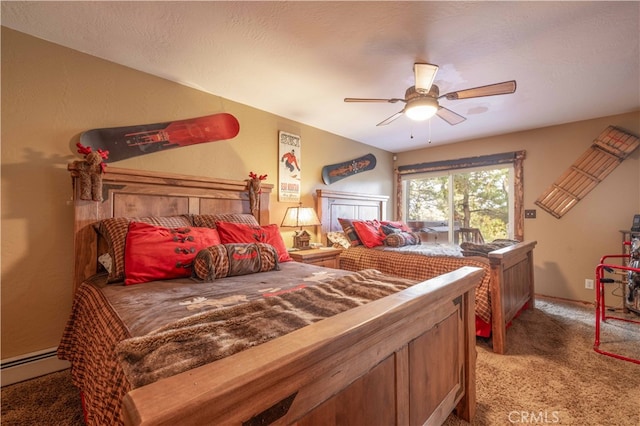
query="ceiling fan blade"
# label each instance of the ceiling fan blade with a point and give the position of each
(424, 76)
(503, 88)
(390, 119)
(449, 116)
(392, 100)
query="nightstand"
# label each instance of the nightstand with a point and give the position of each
(327, 257)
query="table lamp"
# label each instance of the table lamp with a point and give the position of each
(297, 217)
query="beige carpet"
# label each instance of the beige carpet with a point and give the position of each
(551, 375)
(47, 400)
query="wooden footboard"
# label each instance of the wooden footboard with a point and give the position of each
(512, 284)
(512, 288)
(408, 358)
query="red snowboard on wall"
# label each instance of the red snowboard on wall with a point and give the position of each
(131, 141)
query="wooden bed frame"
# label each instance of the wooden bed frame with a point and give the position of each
(512, 276)
(408, 358)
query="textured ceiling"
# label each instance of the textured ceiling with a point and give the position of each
(572, 60)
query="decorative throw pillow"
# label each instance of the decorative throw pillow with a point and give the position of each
(350, 231)
(338, 240)
(209, 220)
(369, 232)
(211, 263)
(396, 224)
(114, 232)
(401, 239)
(242, 233)
(473, 249)
(388, 229)
(228, 260)
(159, 253)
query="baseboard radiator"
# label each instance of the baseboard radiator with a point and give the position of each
(29, 366)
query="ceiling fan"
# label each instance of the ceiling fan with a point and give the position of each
(422, 99)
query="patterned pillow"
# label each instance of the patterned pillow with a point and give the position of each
(401, 239)
(209, 220)
(157, 253)
(228, 260)
(473, 249)
(397, 225)
(114, 231)
(242, 233)
(338, 240)
(350, 231)
(389, 229)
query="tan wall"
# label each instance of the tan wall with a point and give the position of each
(569, 248)
(51, 94)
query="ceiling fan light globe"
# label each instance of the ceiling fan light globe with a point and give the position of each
(421, 109)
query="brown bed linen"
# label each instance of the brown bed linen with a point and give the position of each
(88, 343)
(409, 264)
(103, 316)
(212, 335)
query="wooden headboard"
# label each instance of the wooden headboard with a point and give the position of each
(139, 193)
(332, 205)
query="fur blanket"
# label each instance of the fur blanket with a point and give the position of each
(209, 336)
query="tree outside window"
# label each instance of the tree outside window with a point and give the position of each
(480, 200)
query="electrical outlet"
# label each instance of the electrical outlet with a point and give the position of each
(588, 284)
(530, 214)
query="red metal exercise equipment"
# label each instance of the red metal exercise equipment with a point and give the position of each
(601, 311)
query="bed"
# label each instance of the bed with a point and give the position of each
(506, 288)
(404, 358)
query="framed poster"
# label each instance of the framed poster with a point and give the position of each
(289, 170)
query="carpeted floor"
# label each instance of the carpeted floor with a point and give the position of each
(550, 375)
(47, 400)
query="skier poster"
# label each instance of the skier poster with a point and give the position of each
(290, 170)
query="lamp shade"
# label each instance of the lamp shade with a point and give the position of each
(297, 217)
(421, 109)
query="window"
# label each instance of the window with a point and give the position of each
(470, 198)
(478, 202)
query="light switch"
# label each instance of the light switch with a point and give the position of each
(530, 214)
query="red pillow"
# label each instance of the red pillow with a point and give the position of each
(397, 224)
(369, 232)
(243, 233)
(158, 253)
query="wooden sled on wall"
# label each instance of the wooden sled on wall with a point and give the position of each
(608, 150)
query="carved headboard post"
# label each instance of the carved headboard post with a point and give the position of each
(263, 210)
(86, 213)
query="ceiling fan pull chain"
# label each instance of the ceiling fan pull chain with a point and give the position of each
(429, 130)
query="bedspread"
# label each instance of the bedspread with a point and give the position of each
(88, 343)
(408, 264)
(207, 337)
(104, 316)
